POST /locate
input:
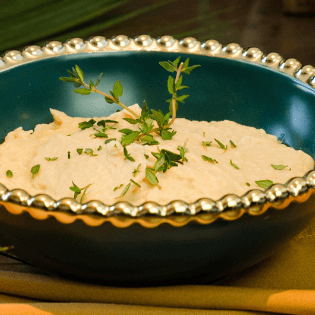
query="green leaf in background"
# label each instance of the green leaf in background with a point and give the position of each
(33, 22)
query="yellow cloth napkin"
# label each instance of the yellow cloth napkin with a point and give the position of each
(282, 284)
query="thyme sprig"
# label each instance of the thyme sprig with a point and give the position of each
(77, 78)
(146, 120)
(77, 191)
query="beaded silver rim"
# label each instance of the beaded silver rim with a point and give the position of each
(229, 207)
(165, 43)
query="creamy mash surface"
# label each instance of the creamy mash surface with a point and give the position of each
(254, 153)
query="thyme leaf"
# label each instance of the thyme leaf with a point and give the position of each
(136, 170)
(9, 173)
(90, 152)
(124, 191)
(232, 144)
(118, 187)
(51, 159)
(86, 124)
(264, 183)
(182, 151)
(209, 159)
(279, 167)
(109, 140)
(234, 165)
(206, 143)
(222, 146)
(77, 191)
(150, 176)
(134, 182)
(127, 155)
(35, 170)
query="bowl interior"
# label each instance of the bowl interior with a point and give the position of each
(220, 89)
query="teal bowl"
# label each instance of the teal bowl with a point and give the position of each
(154, 244)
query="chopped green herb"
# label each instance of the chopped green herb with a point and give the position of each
(182, 152)
(100, 134)
(90, 152)
(87, 124)
(35, 170)
(222, 146)
(51, 159)
(118, 187)
(206, 143)
(278, 167)
(204, 134)
(248, 184)
(234, 165)
(165, 160)
(99, 148)
(146, 156)
(127, 155)
(77, 191)
(150, 176)
(136, 170)
(138, 185)
(149, 140)
(264, 183)
(85, 189)
(129, 137)
(290, 169)
(167, 135)
(79, 73)
(82, 91)
(103, 122)
(80, 151)
(124, 191)
(232, 144)
(209, 159)
(109, 140)
(69, 154)
(9, 173)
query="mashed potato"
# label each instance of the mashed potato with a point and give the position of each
(108, 169)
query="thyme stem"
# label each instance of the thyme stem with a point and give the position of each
(96, 90)
(174, 98)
